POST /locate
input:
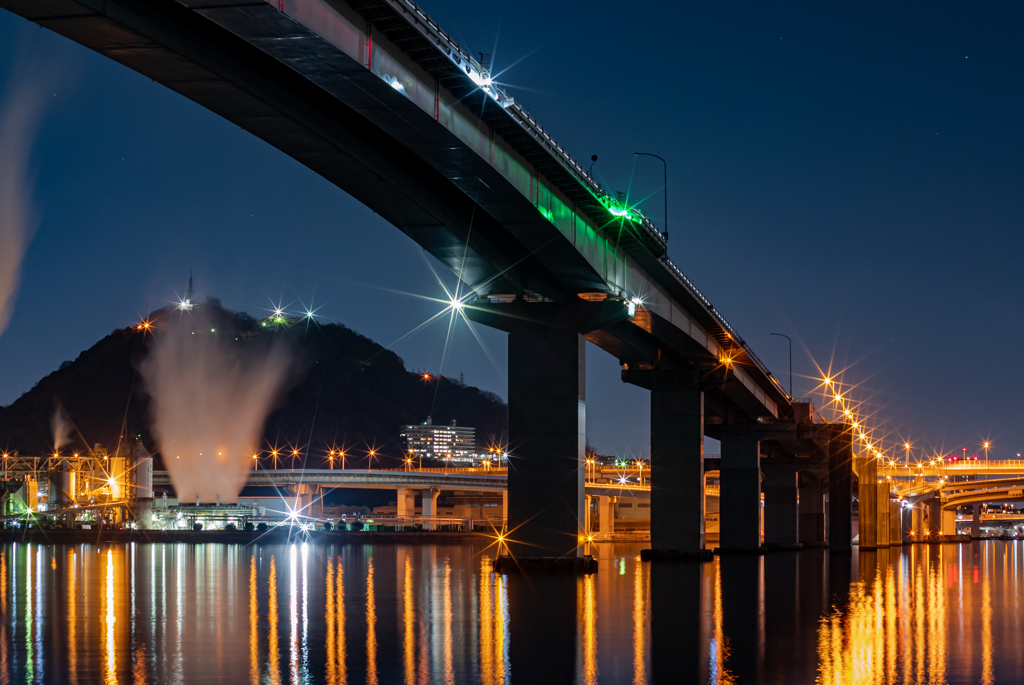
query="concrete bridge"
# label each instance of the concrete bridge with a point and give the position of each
(308, 486)
(938, 468)
(377, 98)
(933, 504)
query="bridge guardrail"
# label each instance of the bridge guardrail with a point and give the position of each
(421, 22)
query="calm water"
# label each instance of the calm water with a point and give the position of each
(436, 614)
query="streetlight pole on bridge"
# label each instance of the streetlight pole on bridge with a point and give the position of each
(782, 335)
(665, 188)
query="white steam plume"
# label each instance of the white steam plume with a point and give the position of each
(60, 426)
(210, 397)
(19, 117)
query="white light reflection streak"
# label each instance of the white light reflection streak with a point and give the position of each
(305, 615)
(29, 655)
(179, 596)
(449, 673)
(39, 611)
(293, 613)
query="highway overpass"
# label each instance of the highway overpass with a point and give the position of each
(378, 99)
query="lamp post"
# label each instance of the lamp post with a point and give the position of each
(782, 335)
(985, 445)
(665, 191)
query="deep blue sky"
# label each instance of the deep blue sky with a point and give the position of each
(850, 176)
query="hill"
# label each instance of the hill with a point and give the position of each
(347, 392)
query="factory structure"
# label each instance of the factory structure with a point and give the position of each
(119, 489)
(72, 490)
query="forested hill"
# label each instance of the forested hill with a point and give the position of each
(345, 391)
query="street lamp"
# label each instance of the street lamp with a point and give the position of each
(665, 169)
(783, 335)
(985, 445)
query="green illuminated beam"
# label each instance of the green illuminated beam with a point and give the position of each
(621, 210)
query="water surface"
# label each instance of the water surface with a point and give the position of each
(185, 613)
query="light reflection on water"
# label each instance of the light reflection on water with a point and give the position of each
(437, 614)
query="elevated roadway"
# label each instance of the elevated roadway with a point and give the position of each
(482, 480)
(939, 468)
(381, 101)
(377, 98)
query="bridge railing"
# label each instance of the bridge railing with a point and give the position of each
(424, 522)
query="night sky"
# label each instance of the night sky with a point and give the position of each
(852, 177)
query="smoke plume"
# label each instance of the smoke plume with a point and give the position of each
(19, 117)
(211, 391)
(60, 426)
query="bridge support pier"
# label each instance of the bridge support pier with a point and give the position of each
(933, 515)
(840, 490)
(781, 503)
(547, 429)
(867, 496)
(917, 521)
(429, 507)
(882, 506)
(406, 502)
(895, 522)
(812, 510)
(307, 500)
(677, 461)
(677, 467)
(606, 514)
(976, 521)
(949, 522)
(740, 501)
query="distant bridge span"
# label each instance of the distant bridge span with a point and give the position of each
(482, 480)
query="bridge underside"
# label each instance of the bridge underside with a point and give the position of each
(262, 69)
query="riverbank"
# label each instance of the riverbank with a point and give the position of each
(276, 536)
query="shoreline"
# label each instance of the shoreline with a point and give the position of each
(274, 536)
